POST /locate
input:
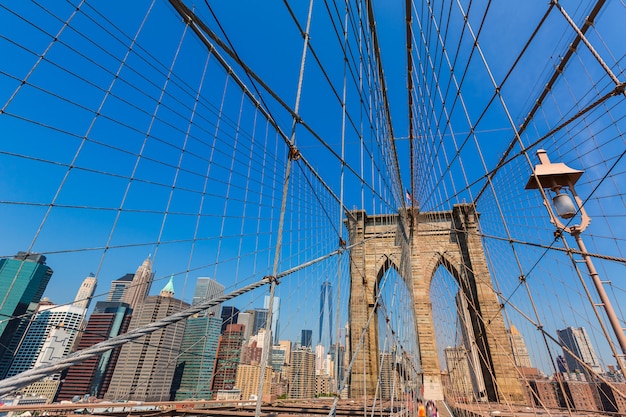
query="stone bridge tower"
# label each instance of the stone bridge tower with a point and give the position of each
(429, 240)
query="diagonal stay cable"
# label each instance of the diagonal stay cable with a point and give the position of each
(203, 31)
(25, 378)
(10, 384)
(385, 98)
(546, 90)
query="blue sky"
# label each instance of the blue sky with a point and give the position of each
(70, 198)
(113, 198)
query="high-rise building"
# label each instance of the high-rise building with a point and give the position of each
(277, 360)
(207, 289)
(197, 360)
(275, 313)
(230, 315)
(260, 320)
(320, 357)
(119, 288)
(326, 315)
(286, 346)
(252, 353)
(139, 287)
(50, 336)
(51, 333)
(228, 355)
(93, 375)
(199, 345)
(520, 352)
(145, 368)
(23, 280)
(247, 380)
(86, 291)
(15, 341)
(306, 338)
(247, 320)
(577, 341)
(302, 374)
(323, 385)
(337, 354)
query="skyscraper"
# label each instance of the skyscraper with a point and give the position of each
(320, 357)
(139, 288)
(286, 346)
(278, 358)
(247, 380)
(247, 320)
(306, 338)
(302, 374)
(337, 353)
(577, 341)
(92, 376)
(230, 315)
(561, 365)
(145, 368)
(199, 345)
(228, 355)
(49, 337)
(260, 320)
(252, 352)
(520, 352)
(326, 315)
(119, 288)
(23, 280)
(197, 358)
(275, 313)
(86, 291)
(207, 289)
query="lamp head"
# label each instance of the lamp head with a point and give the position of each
(552, 176)
(547, 175)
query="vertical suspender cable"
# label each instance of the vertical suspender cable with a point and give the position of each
(268, 325)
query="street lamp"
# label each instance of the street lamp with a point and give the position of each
(560, 179)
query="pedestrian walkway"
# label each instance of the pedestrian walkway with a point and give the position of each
(442, 410)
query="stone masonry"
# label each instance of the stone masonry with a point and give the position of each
(430, 240)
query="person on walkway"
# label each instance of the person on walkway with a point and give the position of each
(421, 410)
(429, 408)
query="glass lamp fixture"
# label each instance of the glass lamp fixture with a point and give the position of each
(558, 177)
(563, 205)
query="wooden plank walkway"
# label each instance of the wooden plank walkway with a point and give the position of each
(443, 410)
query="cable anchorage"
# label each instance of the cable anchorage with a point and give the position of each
(294, 153)
(271, 279)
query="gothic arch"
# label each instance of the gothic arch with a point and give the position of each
(384, 264)
(449, 239)
(446, 261)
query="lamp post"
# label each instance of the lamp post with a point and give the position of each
(560, 179)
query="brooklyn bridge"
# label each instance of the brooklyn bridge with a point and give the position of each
(313, 207)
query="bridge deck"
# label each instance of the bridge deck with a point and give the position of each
(316, 407)
(505, 410)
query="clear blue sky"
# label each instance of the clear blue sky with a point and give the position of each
(45, 119)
